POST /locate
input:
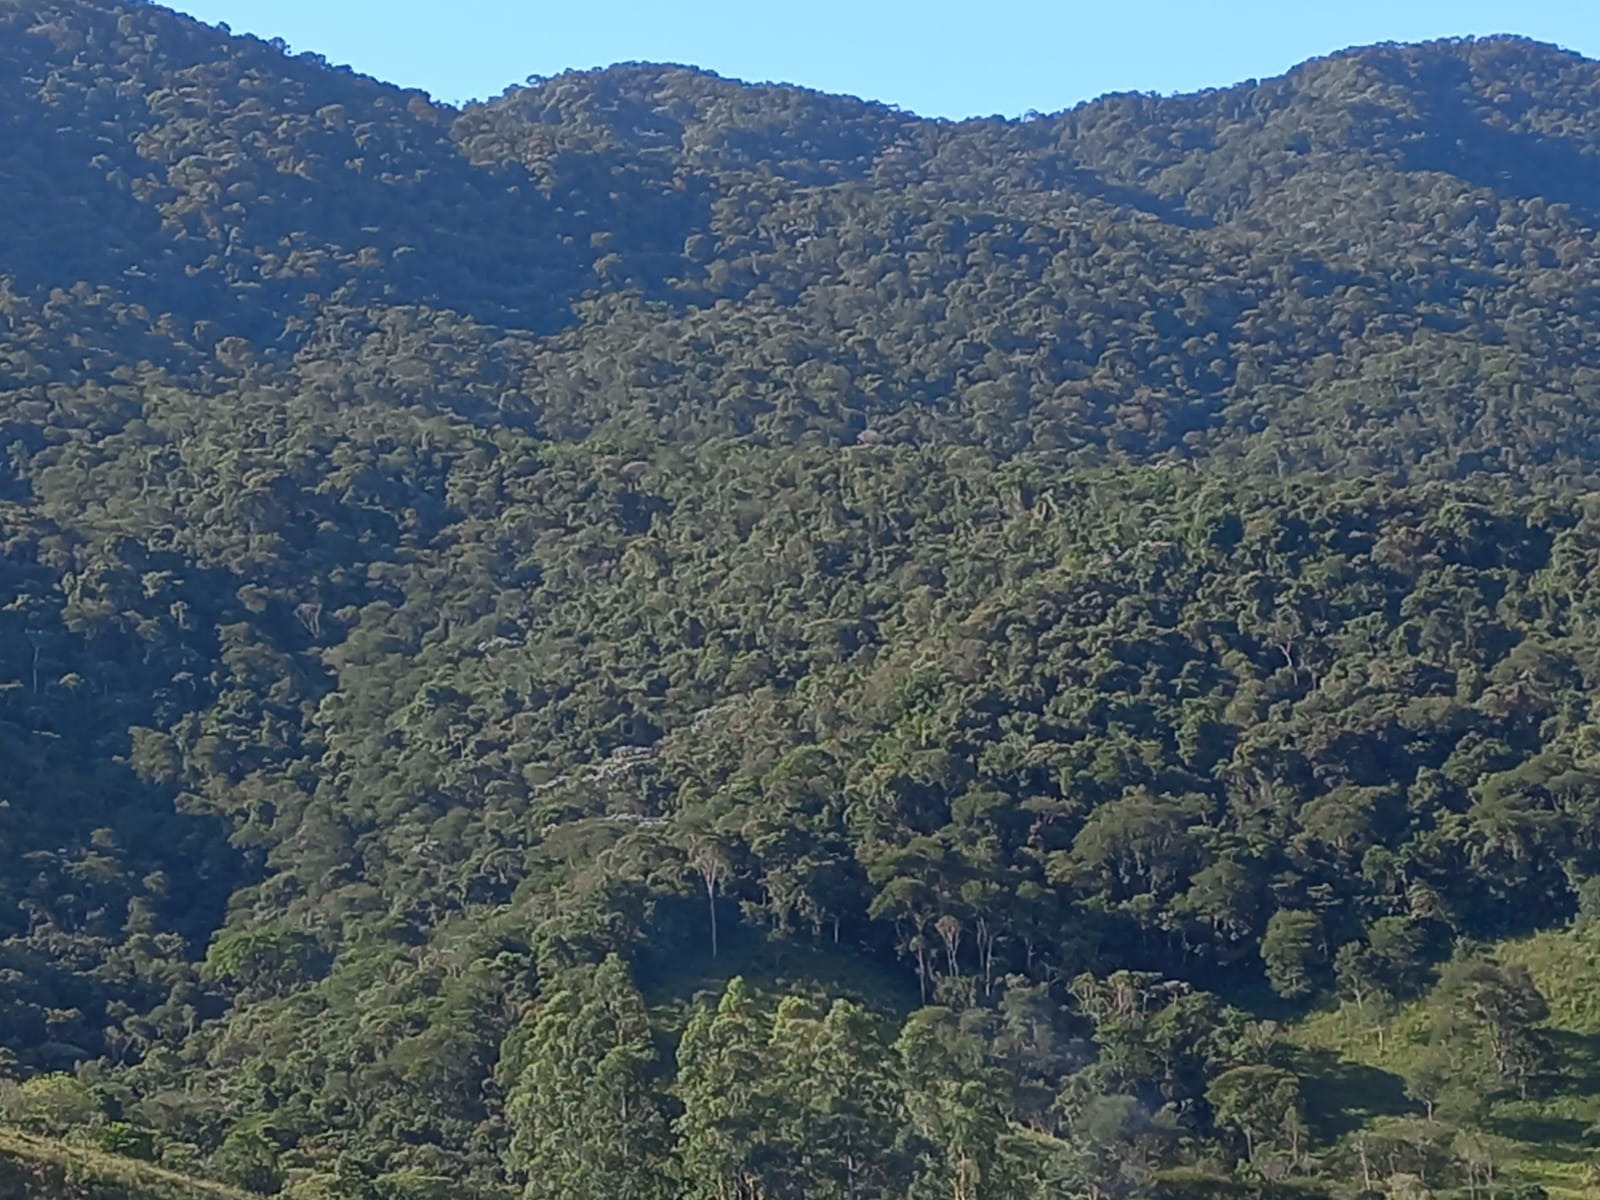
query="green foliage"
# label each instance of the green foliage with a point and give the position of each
(725, 1094)
(1289, 949)
(1487, 1018)
(1262, 1104)
(265, 957)
(52, 1104)
(247, 1159)
(464, 573)
(49, 1169)
(1471, 1124)
(584, 1112)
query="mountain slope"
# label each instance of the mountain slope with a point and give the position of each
(1097, 581)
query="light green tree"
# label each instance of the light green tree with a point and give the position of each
(955, 1103)
(837, 1103)
(584, 1114)
(724, 1087)
(54, 1103)
(1263, 1105)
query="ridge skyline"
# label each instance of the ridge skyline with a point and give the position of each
(939, 69)
(1344, 52)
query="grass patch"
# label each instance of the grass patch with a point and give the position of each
(38, 1168)
(1354, 1062)
(1566, 966)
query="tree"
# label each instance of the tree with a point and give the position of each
(249, 1160)
(724, 1085)
(955, 1104)
(54, 1103)
(1159, 1040)
(708, 858)
(1483, 1157)
(1359, 974)
(1399, 948)
(1114, 1146)
(1291, 950)
(1263, 1105)
(266, 959)
(585, 1113)
(837, 1105)
(1488, 1017)
(1437, 1080)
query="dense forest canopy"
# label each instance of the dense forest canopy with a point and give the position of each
(662, 638)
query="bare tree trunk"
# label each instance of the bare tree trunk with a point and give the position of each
(711, 905)
(707, 860)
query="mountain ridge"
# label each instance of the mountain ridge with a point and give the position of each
(1020, 612)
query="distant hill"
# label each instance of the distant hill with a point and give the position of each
(1052, 606)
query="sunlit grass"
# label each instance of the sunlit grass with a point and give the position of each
(1356, 1060)
(54, 1170)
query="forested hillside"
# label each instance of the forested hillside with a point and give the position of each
(664, 639)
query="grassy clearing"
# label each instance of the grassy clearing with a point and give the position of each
(1355, 1062)
(37, 1168)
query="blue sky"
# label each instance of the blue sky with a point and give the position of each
(937, 57)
